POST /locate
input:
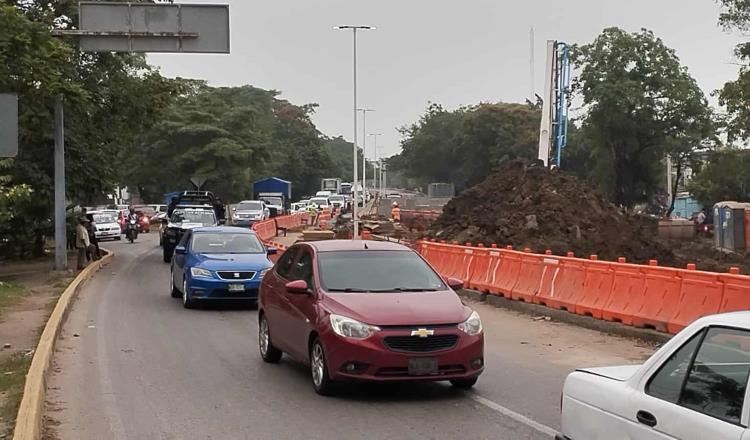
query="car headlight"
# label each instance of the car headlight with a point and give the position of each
(351, 328)
(263, 272)
(200, 273)
(473, 325)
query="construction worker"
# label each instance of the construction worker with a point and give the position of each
(312, 210)
(396, 212)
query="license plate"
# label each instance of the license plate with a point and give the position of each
(422, 366)
(236, 287)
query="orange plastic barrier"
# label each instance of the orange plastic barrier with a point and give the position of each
(567, 286)
(736, 293)
(527, 284)
(266, 229)
(506, 273)
(700, 295)
(458, 264)
(597, 288)
(660, 299)
(629, 283)
(485, 263)
(550, 269)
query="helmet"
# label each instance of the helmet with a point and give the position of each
(395, 204)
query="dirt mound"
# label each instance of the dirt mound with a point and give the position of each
(531, 206)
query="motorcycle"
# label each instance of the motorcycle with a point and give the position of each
(132, 232)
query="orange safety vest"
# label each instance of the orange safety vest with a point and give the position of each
(396, 213)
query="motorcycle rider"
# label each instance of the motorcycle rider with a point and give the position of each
(132, 215)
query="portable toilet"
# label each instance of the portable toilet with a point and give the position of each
(729, 225)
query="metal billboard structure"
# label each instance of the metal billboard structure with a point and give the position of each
(8, 125)
(152, 27)
(134, 27)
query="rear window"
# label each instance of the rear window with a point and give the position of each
(226, 243)
(204, 218)
(104, 218)
(273, 200)
(376, 271)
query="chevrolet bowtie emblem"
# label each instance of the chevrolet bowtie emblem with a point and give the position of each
(236, 275)
(422, 332)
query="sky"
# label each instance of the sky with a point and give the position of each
(451, 52)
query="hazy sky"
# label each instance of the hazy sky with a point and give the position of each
(457, 52)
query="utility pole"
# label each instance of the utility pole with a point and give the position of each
(61, 247)
(355, 217)
(375, 136)
(364, 149)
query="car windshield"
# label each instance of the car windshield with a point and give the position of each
(320, 201)
(376, 271)
(205, 218)
(227, 243)
(336, 198)
(249, 206)
(104, 218)
(272, 200)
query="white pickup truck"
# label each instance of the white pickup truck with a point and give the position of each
(693, 388)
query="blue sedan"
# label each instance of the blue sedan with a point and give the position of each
(219, 263)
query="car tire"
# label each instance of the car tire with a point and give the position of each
(268, 352)
(118, 238)
(175, 291)
(187, 302)
(464, 384)
(322, 383)
(167, 254)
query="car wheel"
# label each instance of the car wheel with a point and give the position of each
(187, 302)
(322, 383)
(464, 384)
(268, 352)
(118, 238)
(167, 254)
(173, 288)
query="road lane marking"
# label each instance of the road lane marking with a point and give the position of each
(544, 429)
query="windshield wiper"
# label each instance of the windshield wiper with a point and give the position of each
(406, 289)
(349, 289)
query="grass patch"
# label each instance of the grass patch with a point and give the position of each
(10, 293)
(12, 379)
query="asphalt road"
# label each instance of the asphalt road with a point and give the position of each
(133, 364)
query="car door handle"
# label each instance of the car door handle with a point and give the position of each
(646, 418)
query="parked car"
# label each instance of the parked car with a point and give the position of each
(373, 311)
(248, 212)
(219, 263)
(106, 225)
(693, 388)
(185, 218)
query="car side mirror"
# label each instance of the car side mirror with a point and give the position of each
(272, 251)
(297, 287)
(455, 283)
(180, 250)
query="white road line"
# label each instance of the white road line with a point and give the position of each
(544, 429)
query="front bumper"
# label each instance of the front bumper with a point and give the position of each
(244, 221)
(218, 289)
(376, 362)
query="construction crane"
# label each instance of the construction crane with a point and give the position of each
(553, 132)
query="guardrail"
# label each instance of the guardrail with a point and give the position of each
(663, 298)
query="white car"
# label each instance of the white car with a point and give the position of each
(106, 224)
(693, 388)
(321, 202)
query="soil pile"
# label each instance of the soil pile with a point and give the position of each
(531, 206)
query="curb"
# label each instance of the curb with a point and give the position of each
(608, 327)
(29, 419)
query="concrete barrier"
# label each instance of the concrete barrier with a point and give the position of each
(31, 410)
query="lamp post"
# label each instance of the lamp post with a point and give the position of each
(375, 136)
(364, 150)
(355, 218)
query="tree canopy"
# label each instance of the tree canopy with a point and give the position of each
(640, 104)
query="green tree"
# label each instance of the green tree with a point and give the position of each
(735, 95)
(640, 105)
(464, 145)
(725, 176)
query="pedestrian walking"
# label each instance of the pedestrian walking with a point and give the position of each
(82, 241)
(93, 253)
(312, 210)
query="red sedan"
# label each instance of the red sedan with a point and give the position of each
(367, 310)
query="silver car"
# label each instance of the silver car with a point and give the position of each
(248, 212)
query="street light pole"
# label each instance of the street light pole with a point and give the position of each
(61, 251)
(364, 150)
(375, 136)
(355, 217)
